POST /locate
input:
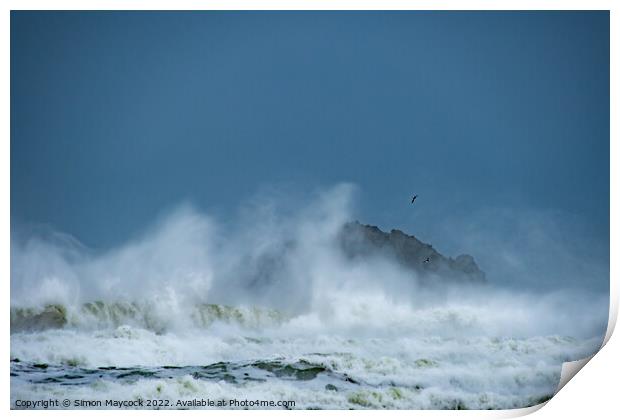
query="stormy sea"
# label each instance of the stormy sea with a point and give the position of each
(307, 309)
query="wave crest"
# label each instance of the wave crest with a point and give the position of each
(101, 315)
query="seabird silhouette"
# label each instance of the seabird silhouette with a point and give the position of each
(428, 259)
(413, 198)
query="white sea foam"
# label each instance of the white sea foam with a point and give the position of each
(394, 373)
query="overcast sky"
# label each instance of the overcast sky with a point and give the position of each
(116, 117)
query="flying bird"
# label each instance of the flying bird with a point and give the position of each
(413, 198)
(428, 259)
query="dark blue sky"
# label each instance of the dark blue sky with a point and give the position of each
(116, 117)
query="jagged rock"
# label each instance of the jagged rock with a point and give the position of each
(363, 241)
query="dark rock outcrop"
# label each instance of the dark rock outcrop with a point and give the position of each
(365, 241)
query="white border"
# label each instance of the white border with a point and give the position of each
(593, 394)
(309, 5)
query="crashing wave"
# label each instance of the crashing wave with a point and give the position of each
(100, 315)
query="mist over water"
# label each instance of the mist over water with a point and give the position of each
(274, 285)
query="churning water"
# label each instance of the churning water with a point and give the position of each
(188, 314)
